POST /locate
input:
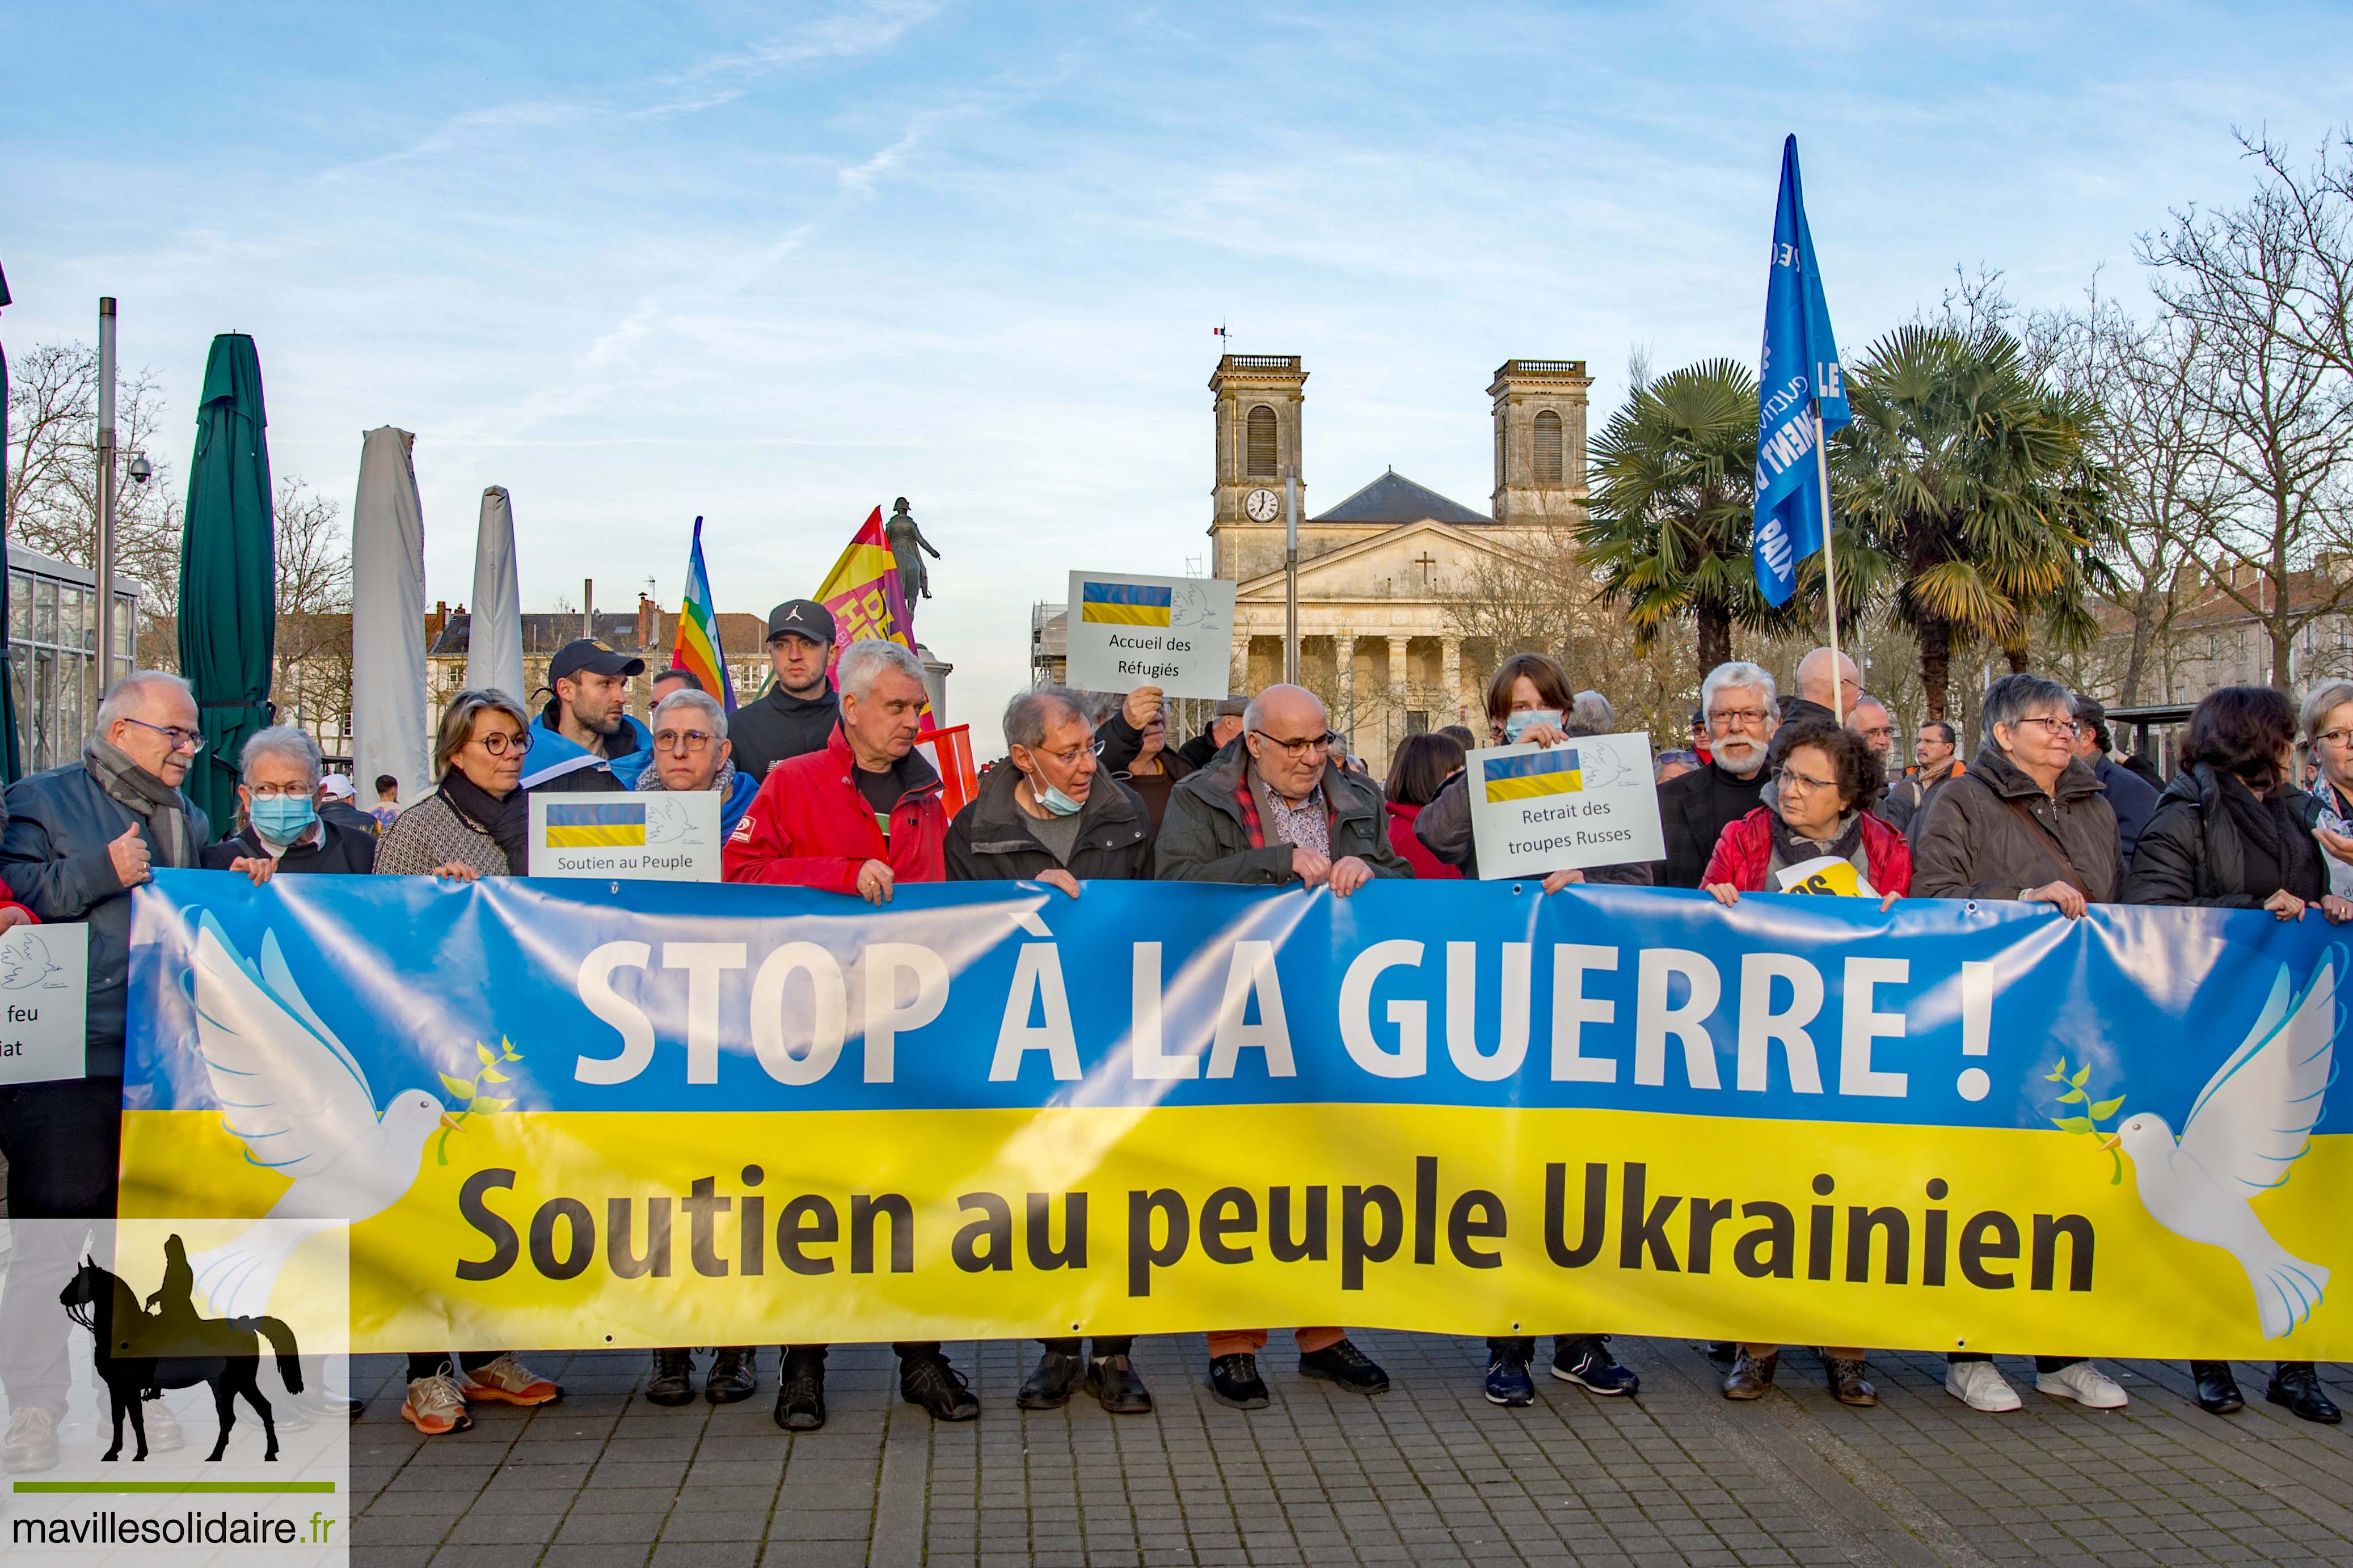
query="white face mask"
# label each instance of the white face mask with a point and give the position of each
(1055, 801)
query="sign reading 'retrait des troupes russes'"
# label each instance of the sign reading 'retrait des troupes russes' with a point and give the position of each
(1175, 633)
(44, 1000)
(1588, 801)
(656, 836)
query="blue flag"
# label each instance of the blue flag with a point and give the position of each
(1799, 369)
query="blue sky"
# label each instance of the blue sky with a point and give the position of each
(775, 264)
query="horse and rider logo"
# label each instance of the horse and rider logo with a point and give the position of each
(138, 1353)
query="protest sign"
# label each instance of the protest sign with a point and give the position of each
(1124, 631)
(43, 1002)
(658, 836)
(1587, 802)
(743, 1114)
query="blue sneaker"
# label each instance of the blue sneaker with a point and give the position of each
(1585, 1361)
(1508, 1383)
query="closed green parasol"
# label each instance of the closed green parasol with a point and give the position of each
(228, 575)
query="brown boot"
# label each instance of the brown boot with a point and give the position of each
(1847, 1382)
(1750, 1375)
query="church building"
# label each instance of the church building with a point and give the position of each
(1380, 571)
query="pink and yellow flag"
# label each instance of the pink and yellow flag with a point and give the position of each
(862, 593)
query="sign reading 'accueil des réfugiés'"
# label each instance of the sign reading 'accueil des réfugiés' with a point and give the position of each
(673, 1115)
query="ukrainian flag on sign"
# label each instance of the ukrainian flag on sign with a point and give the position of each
(617, 824)
(1531, 775)
(1125, 604)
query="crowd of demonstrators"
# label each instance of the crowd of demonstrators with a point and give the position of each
(2130, 796)
(1816, 834)
(797, 713)
(1058, 816)
(281, 786)
(1420, 769)
(585, 740)
(860, 814)
(1737, 700)
(472, 825)
(2025, 821)
(692, 753)
(2233, 832)
(1271, 809)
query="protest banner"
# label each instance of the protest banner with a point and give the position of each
(664, 836)
(1588, 801)
(44, 1002)
(735, 1115)
(1124, 631)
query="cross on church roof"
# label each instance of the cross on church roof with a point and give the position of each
(1425, 560)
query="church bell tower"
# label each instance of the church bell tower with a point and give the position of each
(1539, 440)
(1258, 397)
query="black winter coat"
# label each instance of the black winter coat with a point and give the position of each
(990, 841)
(2192, 853)
(780, 726)
(54, 857)
(345, 851)
(1694, 810)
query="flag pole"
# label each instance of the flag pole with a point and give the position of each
(1830, 569)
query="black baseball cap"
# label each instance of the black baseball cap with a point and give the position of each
(803, 618)
(587, 653)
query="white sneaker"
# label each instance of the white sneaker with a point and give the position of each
(434, 1406)
(1979, 1386)
(2086, 1385)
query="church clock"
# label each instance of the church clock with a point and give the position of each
(1262, 505)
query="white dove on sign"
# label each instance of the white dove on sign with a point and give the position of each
(23, 962)
(2250, 1124)
(290, 1090)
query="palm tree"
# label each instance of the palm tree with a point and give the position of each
(1675, 490)
(1967, 490)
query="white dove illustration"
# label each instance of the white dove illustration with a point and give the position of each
(2250, 1124)
(23, 962)
(290, 1090)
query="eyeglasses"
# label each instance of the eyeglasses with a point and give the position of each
(681, 740)
(1737, 717)
(2338, 738)
(1804, 784)
(188, 740)
(281, 791)
(500, 745)
(1323, 743)
(1069, 759)
(2055, 727)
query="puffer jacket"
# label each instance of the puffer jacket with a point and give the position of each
(54, 858)
(1969, 843)
(1204, 838)
(1744, 854)
(990, 839)
(2190, 852)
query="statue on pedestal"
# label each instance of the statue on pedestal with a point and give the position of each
(905, 538)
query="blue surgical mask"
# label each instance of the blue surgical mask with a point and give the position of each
(1055, 801)
(284, 818)
(1515, 723)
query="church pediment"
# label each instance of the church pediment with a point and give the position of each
(1415, 560)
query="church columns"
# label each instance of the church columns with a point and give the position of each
(1450, 677)
(1399, 684)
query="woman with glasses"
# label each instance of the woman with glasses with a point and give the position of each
(2026, 820)
(473, 825)
(2326, 720)
(2232, 833)
(1815, 834)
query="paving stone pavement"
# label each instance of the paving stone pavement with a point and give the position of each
(1428, 1473)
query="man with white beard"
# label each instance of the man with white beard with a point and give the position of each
(1737, 700)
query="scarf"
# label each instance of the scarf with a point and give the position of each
(163, 808)
(722, 782)
(2278, 852)
(508, 821)
(1789, 849)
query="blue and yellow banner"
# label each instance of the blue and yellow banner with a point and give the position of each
(595, 824)
(569, 1114)
(1126, 603)
(1532, 774)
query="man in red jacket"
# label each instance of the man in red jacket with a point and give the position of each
(860, 817)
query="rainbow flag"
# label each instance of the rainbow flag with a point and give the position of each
(597, 826)
(1124, 603)
(697, 648)
(1531, 775)
(862, 594)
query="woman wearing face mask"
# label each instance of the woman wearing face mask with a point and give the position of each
(1528, 700)
(278, 798)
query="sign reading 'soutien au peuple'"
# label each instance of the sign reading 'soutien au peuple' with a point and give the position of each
(665, 1114)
